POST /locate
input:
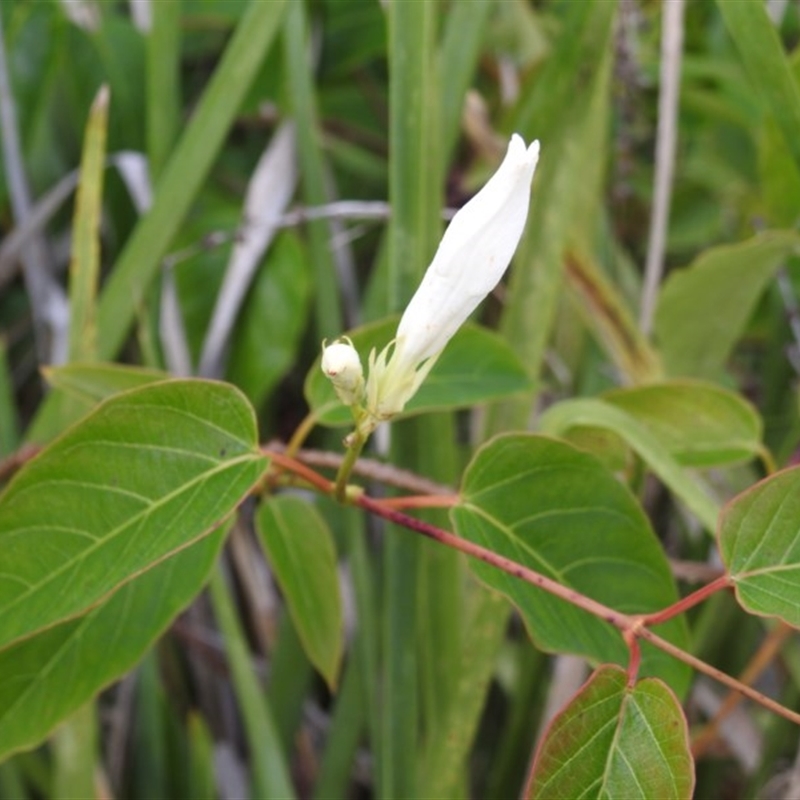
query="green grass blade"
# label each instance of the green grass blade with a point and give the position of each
(185, 172)
(762, 52)
(163, 92)
(414, 188)
(300, 87)
(465, 27)
(270, 772)
(84, 268)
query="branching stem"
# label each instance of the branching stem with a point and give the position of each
(632, 627)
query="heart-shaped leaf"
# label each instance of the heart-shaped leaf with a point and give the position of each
(614, 740)
(476, 366)
(759, 539)
(146, 474)
(557, 510)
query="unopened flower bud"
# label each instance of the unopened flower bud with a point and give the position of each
(341, 363)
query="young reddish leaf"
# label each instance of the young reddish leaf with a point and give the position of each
(759, 538)
(614, 741)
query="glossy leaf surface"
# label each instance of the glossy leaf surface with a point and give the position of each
(301, 552)
(615, 741)
(145, 475)
(558, 511)
(759, 539)
(475, 367)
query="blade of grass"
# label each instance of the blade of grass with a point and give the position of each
(84, 268)
(465, 27)
(344, 734)
(185, 172)
(9, 424)
(765, 61)
(300, 89)
(149, 736)
(75, 753)
(413, 193)
(569, 154)
(270, 771)
(163, 93)
(552, 112)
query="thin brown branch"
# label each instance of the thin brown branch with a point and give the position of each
(765, 655)
(369, 469)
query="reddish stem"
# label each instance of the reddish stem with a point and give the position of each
(631, 627)
(421, 501)
(691, 600)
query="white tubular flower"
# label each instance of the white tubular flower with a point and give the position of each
(474, 253)
(341, 363)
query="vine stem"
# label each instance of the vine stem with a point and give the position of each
(632, 627)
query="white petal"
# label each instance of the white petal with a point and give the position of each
(475, 251)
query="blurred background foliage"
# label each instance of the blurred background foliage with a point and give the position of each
(584, 78)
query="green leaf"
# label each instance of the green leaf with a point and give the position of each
(609, 316)
(145, 475)
(759, 539)
(615, 741)
(475, 367)
(272, 320)
(301, 552)
(704, 308)
(92, 383)
(46, 677)
(84, 268)
(185, 172)
(762, 52)
(270, 771)
(698, 424)
(556, 510)
(582, 413)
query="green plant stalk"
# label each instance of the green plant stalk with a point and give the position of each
(84, 267)
(354, 448)
(414, 190)
(75, 754)
(302, 101)
(550, 113)
(270, 772)
(347, 724)
(163, 92)
(184, 174)
(9, 426)
(465, 27)
(149, 737)
(765, 60)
